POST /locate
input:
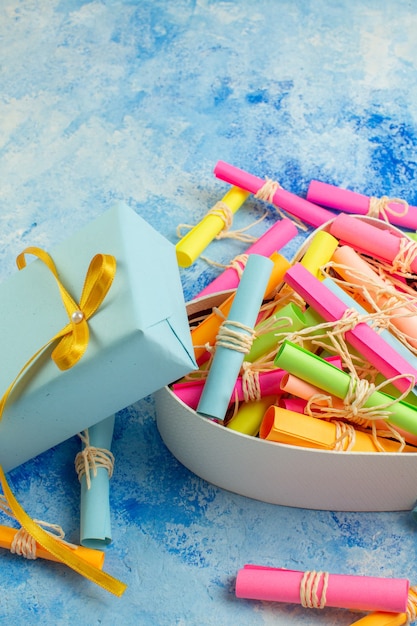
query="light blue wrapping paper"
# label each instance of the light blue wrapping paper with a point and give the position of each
(139, 337)
(95, 523)
(226, 363)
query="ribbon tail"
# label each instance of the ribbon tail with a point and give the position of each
(62, 553)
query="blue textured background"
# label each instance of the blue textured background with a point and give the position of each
(137, 101)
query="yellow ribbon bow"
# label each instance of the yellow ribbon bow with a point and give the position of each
(73, 338)
(72, 344)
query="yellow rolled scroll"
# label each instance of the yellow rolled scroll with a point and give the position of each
(189, 248)
(319, 252)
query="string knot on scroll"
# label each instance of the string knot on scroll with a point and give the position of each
(353, 408)
(225, 213)
(23, 544)
(267, 193)
(238, 263)
(250, 383)
(235, 336)
(405, 256)
(412, 604)
(309, 589)
(91, 458)
(381, 208)
(345, 437)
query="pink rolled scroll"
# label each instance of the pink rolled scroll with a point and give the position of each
(369, 239)
(362, 593)
(304, 390)
(272, 240)
(269, 385)
(296, 405)
(362, 337)
(352, 202)
(299, 207)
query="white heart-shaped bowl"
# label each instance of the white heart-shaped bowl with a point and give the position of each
(279, 473)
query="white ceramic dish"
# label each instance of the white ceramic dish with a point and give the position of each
(279, 473)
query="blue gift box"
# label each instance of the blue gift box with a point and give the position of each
(139, 336)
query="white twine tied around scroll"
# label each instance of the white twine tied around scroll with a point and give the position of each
(387, 302)
(91, 458)
(239, 262)
(250, 383)
(251, 387)
(225, 213)
(380, 208)
(405, 256)
(220, 209)
(267, 193)
(266, 361)
(412, 605)
(235, 336)
(24, 544)
(239, 337)
(309, 587)
(334, 334)
(355, 411)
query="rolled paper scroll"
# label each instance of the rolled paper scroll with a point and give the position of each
(281, 264)
(362, 337)
(207, 330)
(367, 238)
(319, 252)
(399, 213)
(385, 334)
(316, 371)
(248, 387)
(293, 404)
(94, 557)
(275, 238)
(302, 389)
(395, 343)
(297, 206)
(320, 589)
(354, 269)
(288, 319)
(250, 415)
(189, 248)
(305, 391)
(284, 426)
(234, 338)
(268, 383)
(392, 391)
(95, 524)
(380, 618)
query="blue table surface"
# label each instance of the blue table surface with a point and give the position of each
(136, 101)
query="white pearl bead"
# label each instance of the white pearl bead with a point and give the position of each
(77, 317)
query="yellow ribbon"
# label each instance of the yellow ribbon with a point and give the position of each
(74, 336)
(72, 344)
(57, 549)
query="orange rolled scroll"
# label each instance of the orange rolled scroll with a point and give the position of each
(293, 428)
